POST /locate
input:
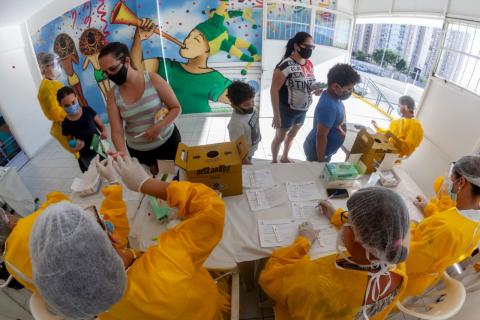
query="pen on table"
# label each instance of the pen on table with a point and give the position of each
(329, 197)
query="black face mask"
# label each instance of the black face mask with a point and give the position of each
(305, 53)
(120, 77)
(244, 111)
(345, 95)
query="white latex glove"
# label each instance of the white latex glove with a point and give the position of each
(131, 172)
(327, 208)
(106, 170)
(306, 230)
(421, 202)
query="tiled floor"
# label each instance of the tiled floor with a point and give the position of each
(54, 169)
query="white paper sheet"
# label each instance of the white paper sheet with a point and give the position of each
(305, 210)
(261, 199)
(303, 191)
(283, 232)
(262, 178)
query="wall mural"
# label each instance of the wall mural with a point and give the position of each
(199, 47)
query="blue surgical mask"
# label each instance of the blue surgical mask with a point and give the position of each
(451, 194)
(72, 109)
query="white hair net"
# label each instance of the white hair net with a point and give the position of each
(74, 265)
(380, 221)
(469, 168)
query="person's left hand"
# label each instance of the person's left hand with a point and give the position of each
(104, 134)
(106, 170)
(153, 132)
(318, 92)
(306, 230)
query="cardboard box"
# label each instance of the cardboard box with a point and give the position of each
(218, 166)
(373, 148)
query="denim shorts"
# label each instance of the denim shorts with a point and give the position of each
(290, 117)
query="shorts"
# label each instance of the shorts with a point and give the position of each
(290, 117)
(166, 151)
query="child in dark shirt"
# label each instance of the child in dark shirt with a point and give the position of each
(80, 126)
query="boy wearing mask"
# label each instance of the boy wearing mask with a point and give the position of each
(328, 134)
(245, 119)
(79, 126)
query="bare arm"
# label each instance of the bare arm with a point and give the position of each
(322, 133)
(167, 95)
(116, 123)
(155, 188)
(136, 51)
(277, 82)
(224, 97)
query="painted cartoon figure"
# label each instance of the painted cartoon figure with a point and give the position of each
(64, 47)
(91, 42)
(194, 83)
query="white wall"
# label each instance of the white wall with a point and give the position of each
(18, 93)
(449, 116)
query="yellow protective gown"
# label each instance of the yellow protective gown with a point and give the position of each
(17, 252)
(315, 290)
(410, 133)
(47, 96)
(436, 243)
(169, 281)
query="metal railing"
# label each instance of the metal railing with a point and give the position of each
(370, 91)
(8, 150)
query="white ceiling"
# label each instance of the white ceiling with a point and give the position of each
(14, 12)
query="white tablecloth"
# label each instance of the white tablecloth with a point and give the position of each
(240, 240)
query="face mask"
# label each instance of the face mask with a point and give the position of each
(120, 77)
(305, 53)
(72, 109)
(345, 95)
(373, 285)
(245, 111)
(452, 194)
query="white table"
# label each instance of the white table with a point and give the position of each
(240, 240)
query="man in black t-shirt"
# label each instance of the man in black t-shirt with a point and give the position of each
(80, 126)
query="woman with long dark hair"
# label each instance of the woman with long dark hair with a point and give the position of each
(291, 92)
(142, 108)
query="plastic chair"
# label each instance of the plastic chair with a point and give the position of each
(39, 309)
(4, 284)
(447, 301)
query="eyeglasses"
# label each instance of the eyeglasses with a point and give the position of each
(308, 46)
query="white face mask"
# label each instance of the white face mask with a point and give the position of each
(373, 285)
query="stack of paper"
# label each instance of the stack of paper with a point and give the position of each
(283, 232)
(262, 178)
(303, 191)
(305, 210)
(261, 199)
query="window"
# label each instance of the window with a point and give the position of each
(460, 54)
(284, 21)
(332, 29)
(328, 27)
